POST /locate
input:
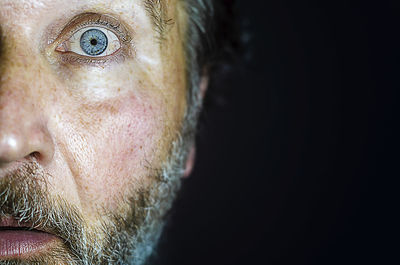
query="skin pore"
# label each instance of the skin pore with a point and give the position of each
(92, 134)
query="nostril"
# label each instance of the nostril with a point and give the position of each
(35, 156)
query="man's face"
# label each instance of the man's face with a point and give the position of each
(92, 100)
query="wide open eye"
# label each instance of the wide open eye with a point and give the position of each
(91, 42)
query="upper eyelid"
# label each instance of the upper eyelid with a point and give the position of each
(94, 19)
(60, 31)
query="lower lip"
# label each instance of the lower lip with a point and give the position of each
(17, 243)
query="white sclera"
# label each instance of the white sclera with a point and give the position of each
(74, 43)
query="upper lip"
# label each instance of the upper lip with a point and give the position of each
(10, 222)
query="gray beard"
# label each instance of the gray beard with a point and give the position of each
(128, 238)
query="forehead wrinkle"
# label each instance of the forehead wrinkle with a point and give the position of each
(25, 8)
(28, 14)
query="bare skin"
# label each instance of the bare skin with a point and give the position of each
(98, 128)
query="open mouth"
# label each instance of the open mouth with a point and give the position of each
(20, 240)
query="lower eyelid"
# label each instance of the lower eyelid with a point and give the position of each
(74, 59)
(125, 52)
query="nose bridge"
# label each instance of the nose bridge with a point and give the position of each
(23, 130)
(16, 51)
(19, 82)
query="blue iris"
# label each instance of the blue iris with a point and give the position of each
(94, 42)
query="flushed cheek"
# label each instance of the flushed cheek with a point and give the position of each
(123, 146)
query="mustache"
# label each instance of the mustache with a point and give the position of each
(24, 198)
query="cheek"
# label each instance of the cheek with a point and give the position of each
(124, 146)
(132, 136)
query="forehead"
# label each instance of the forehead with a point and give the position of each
(14, 12)
(23, 9)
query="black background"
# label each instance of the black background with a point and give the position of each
(299, 166)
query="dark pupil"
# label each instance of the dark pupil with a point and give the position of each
(93, 42)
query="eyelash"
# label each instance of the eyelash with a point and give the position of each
(94, 20)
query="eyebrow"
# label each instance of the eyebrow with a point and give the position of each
(158, 14)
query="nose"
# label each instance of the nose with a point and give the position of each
(23, 142)
(23, 131)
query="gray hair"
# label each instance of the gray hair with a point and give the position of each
(198, 43)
